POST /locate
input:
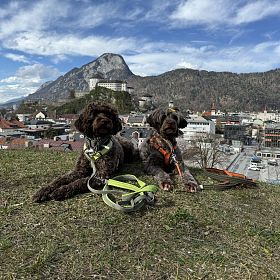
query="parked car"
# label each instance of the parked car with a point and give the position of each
(254, 168)
(272, 162)
(255, 164)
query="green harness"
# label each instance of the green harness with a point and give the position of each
(124, 192)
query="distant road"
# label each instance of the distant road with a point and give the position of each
(242, 162)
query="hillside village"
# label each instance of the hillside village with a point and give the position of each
(233, 131)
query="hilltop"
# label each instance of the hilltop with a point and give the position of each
(210, 235)
(120, 99)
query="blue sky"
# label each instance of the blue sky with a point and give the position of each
(41, 40)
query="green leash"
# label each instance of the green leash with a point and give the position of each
(120, 194)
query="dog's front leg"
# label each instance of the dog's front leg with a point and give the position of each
(45, 193)
(152, 166)
(76, 187)
(189, 180)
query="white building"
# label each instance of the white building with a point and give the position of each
(115, 85)
(39, 124)
(198, 127)
(41, 115)
(23, 117)
(93, 82)
(268, 116)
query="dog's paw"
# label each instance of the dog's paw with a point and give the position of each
(192, 187)
(166, 185)
(42, 194)
(59, 194)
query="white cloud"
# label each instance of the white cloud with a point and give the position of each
(60, 45)
(219, 12)
(26, 80)
(95, 15)
(257, 10)
(258, 58)
(16, 57)
(203, 12)
(39, 16)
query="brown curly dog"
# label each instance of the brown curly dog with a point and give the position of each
(99, 123)
(159, 152)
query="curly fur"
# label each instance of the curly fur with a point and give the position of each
(97, 122)
(166, 123)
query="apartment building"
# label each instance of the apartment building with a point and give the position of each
(198, 127)
(272, 135)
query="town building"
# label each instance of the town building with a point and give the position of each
(238, 132)
(269, 153)
(136, 120)
(198, 127)
(41, 115)
(39, 124)
(136, 135)
(269, 116)
(10, 125)
(272, 136)
(23, 117)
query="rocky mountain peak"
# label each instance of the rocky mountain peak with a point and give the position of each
(108, 66)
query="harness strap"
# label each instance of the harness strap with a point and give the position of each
(95, 155)
(165, 153)
(168, 156)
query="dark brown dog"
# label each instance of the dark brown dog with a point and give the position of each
(159, 152)
(98, 123)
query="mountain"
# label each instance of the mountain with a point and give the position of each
(11, 102)
(109, 66)
(198, 90)
(189, 89)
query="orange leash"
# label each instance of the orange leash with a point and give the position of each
(178, 168)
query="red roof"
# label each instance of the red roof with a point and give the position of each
(56, 145)
(206, 114)
(11, 124)
(17, 123)
(18, 141)
(4, 124)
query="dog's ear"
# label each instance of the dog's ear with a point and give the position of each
(79, 123)
(182, 121)
(155, 118)
(117, 125)
(83, 123)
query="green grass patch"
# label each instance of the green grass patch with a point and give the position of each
(233, 234)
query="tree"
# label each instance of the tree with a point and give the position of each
(50, 133)
(205, 151)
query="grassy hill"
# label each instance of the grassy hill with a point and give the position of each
(210, 235)
(120, 99)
